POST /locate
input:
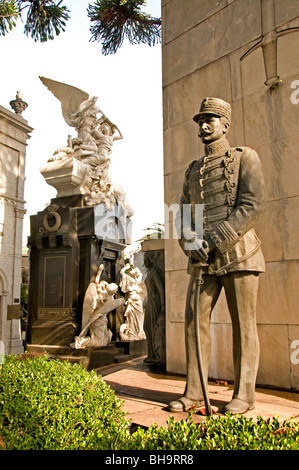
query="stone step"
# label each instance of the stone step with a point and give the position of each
(82, 360)
(56, 350)
(122, 358)
(133, 348)
(92, 358)
(100, 357)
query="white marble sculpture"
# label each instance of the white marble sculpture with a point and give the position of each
(98, 302)
(92, 147)
(129, 253)
(135, 291)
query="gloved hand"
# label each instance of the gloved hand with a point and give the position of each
(199, 249)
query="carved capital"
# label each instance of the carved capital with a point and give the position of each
(20, 212)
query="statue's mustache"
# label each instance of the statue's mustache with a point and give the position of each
(203, 132)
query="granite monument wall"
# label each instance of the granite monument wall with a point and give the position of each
(245, 53)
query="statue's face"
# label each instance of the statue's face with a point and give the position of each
(211, 128)
(102, 286)
(106, 129)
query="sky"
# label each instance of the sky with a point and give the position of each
(129, 90)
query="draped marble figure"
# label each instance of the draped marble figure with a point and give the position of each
(134, 288)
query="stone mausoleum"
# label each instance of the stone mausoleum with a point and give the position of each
(14, 133)
(247, 54)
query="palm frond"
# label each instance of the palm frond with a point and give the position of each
(154, 231)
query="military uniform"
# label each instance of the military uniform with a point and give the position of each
(228, 183)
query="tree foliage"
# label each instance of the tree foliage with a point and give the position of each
(111, 21)
(45, 18)
(152, 232)
(9, 13)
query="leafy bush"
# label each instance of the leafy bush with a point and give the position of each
(50, 404)
(219, 433)
(53, 405)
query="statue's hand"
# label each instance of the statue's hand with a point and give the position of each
(199, 249)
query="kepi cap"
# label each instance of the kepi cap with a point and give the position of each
(215, 106)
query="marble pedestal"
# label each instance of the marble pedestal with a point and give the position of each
(68, 241)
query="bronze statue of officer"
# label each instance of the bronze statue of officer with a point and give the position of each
(228, 184)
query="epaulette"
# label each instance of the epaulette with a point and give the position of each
(192, 164)
(188, 171)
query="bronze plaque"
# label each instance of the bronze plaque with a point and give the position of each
(14, 312)
(55, 314)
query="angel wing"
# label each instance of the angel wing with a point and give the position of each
(70, 97)
(89, 303)
(103, 310)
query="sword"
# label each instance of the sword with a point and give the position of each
(198, 282)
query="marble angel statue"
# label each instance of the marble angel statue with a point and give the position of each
(103, 133)
(93, 144)
(79, 111)
(98, 302)
(95, 136)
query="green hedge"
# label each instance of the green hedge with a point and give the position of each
(219, 433)
(53, 405)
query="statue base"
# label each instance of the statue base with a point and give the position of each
(53, 332)
(133, 348)
(68, 242)
(67, 176)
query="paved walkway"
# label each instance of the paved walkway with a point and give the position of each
(146, 394)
